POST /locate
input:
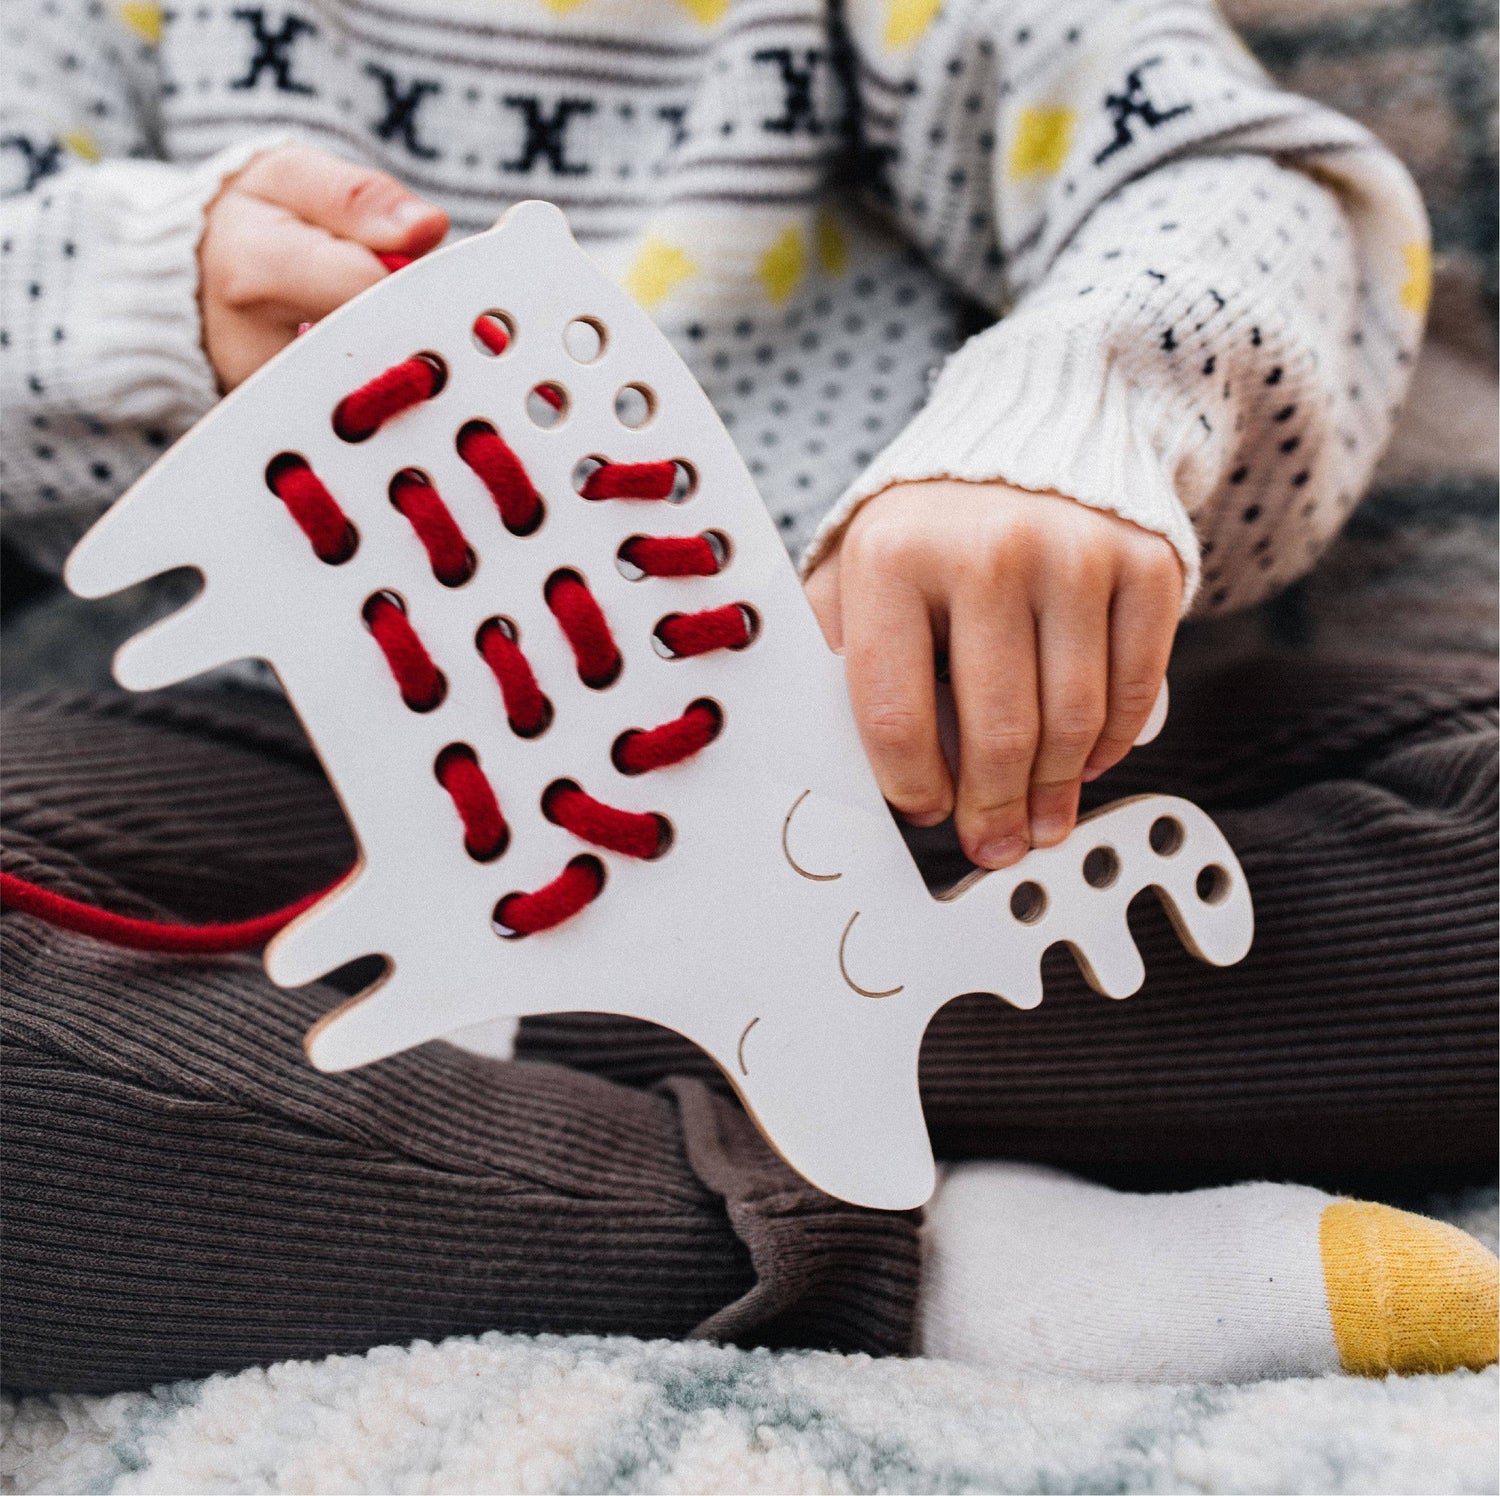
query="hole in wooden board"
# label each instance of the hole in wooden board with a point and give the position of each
(685, 485)
(584, 339)
(493, 332)
(585, 469)
(547, 404)
(1101, 867)
(1167, 836)
(635, 405)
(367, 611)
(1028, 902)
(1213, 884)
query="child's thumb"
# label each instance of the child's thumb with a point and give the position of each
(353, 202)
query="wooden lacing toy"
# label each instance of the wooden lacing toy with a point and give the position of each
(522, 592)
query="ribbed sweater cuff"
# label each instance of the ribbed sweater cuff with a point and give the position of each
(139, 350)
(1041, 405)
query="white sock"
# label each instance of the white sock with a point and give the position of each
(1027, 1269)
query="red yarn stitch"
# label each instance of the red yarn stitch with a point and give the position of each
(500, 470)
(492, 332)
(671, 556)
(631, 480)
(315, 510)
(403, 385)
(452, 560)
(527, 708)
(696, 633)
(421, 682)
(636, 834)
(587, 632)
(485, 833)
(578, 884)
(639, 751)
(149, 934)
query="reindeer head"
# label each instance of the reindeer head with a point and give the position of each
(586, 769)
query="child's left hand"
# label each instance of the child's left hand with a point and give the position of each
(1057, 620)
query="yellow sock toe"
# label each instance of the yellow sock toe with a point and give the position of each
(1406, 1293)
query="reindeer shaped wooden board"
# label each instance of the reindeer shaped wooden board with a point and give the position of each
(522, 592)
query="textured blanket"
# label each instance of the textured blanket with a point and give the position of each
(512, 1413)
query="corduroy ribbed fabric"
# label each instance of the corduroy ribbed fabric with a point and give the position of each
(1358, 1036)
(184, 1194)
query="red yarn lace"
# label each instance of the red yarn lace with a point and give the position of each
(671, 556)
(687, 634)
(422, 684)
(631, 480)
(641, 750)
(403, 385)
(315, 510)
(452, 560)
(578, 884)
(149, 934)
(635, 833)
(492, 332)
(500, 470)
(585, 628)
(527, 708)
(486, 835)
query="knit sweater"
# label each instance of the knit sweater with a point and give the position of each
(1210, 291)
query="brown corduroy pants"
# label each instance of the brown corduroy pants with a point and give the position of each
(183, 1194)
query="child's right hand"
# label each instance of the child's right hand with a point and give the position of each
(291, 237)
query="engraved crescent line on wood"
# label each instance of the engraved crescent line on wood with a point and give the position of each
(844, 970)
(740, 1050)
(786, 826)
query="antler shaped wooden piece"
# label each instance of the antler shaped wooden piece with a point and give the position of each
(521, 590)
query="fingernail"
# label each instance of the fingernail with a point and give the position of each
(409, 212)
(1002, 853)
(1090, 775)
(1047, 831)
(927, 819)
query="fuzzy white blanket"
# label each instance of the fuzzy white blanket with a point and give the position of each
(511, 1413)
(505, 1413)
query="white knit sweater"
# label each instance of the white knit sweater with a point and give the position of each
(1212, 290)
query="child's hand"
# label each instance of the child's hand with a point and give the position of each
(290, 238)
(1057, 620)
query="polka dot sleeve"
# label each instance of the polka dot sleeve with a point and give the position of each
(101, 363)
(1213, 291)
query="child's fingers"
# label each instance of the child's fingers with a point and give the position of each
(353, 202)
(888, 654)
(1073, 657)
(264, 260)
(992, 663)
(1143, 622)
(823, 593)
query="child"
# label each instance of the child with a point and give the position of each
(1212, 294)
